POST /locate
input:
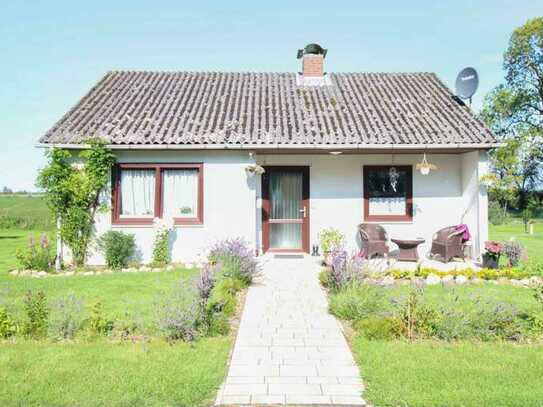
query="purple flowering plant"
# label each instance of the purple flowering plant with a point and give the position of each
(235, 256)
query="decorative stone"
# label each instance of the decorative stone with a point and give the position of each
(14, 272)
(108, 271)
(189, 265)
(461, 279)
(387, 281)
(536, 281)
(69, 273)
(433, 279)
(525, 282)
(42, 273)
(169, 267)
(448, 279)
(516, 282)
(127, 270)
(478, 280)
(503, 281)
(145, 268)
(88, 273)
(156, 270)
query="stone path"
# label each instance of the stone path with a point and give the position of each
(289, 349)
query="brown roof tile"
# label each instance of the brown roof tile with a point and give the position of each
(269, 108)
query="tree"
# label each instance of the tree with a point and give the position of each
(514, 111)
(7, 191)
(72, 185)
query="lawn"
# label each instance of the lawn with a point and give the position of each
(99, 372)
(532, 243)
(102, 373)
(25, 212)
(429, 373)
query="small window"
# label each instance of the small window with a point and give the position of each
(137, 193)
(388, 193)
(180, 193)
(142, 192)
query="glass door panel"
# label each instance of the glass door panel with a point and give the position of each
(286, 209)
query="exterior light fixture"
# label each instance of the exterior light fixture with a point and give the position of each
(424, 166)
(336, 152)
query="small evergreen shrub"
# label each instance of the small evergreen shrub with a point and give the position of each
(98, 323)
(374, 327)
(118, 247)
(37, 314)
(8, 326)
(37, 255)
(67, 317)
(161, 244)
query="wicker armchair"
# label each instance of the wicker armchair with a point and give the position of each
(373, 240)
(447, 244)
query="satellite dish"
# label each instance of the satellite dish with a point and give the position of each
(467, 82)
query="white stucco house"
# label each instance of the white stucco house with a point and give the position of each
(338, 149)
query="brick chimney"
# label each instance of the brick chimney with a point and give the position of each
(312, 56)
(313, 65)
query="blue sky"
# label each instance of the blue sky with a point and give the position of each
(52, 52)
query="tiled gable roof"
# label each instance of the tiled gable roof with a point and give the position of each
(176, 108)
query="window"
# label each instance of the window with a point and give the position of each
(142, 192)
(388, 193)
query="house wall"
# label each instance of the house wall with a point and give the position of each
(448, 196)
(229, 204)
(440, 199)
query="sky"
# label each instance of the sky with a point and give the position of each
(52, 52)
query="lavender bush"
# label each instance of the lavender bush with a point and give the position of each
(180, 313)
(513, 250)
(347, 269)
(235, 256)
(67, 317)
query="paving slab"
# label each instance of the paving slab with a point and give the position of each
(289, 349)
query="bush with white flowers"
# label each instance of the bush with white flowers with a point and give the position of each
(161, 252)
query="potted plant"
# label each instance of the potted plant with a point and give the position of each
(491, 257)
(330, 239)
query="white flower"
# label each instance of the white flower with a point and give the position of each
(163, 225)
(78, 166)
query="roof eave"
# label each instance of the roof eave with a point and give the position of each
(324, 147)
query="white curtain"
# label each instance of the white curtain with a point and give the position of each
(180, 193)
(137, 192)
(387, 206)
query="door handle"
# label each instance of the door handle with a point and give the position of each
(304, 211)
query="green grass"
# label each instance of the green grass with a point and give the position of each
(100, 372)
(532, 243)
(107, 374)
(429, 373)
(25, 212)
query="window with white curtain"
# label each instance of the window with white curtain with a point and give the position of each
(137, 193)
(178, 188)
(180, 193)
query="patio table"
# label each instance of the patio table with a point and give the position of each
(408, 249)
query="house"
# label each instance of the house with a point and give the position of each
(338, 149)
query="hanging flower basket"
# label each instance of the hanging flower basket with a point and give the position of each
(254, 169)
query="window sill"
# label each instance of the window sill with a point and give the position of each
(390, 222)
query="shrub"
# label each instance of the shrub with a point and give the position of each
(236, 259)
(67, 317)
(331, 239)
(118, 247)
(513, 250)
(374, 327)
(37, 314)
(127, 327)
(37, 256)
(324, 278)
(347, 269)
(180, 313)
(98, 323)
(223, 296)
(8, 326)
(161, 249)
(356, 301)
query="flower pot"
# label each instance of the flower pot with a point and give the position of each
(491, 261)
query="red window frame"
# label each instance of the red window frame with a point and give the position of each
(159, 171)
(408, 216)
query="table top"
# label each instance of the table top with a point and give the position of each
(408, 241)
